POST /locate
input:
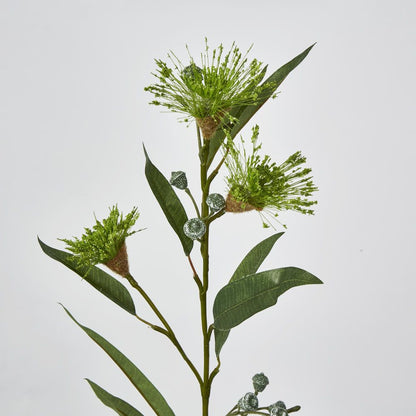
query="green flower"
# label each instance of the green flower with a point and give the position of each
(105, 242)
(208, 92)
(258, 183)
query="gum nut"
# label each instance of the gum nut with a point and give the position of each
(192, 72)
(260, 381)
(278, 409)
(178, 180)
(249, 402)
(216, 202)
(194, 228)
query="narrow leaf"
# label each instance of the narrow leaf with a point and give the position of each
(241, 299)
(137, 378)
(115, 403)
(253, 260)
(169, 202)
(245, 113)
(102, 281)
(250, 264)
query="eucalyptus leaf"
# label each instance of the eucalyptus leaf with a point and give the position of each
(245, 113)
(243, 298)
(253, 260)
(169, 202)
(100, 280)
(249, 265)
(118, 405)
(149, 392)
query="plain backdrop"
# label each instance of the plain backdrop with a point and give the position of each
(73, 119)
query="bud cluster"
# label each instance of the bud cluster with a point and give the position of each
(249, 403)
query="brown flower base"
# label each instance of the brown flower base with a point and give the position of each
(231, 205)
(120, 263)
(209, 125)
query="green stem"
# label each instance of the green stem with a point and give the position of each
(206, 387)
(169, 332)
(196, 277)
(154, 327)
(214, 173)
(193, 202)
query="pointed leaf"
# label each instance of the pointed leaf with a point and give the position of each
(250, 264)
(169, 202)
(102, 281)
(220, 338)
(115, 403)
(253, 260)
(243, 298)
(245, 113)
(137, 378)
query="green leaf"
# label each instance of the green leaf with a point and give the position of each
(250, 264)
(169, 202)
(245, 113)
(137, 378)
(115, 403)
(96, 277)
(241, 299)
(253, 260)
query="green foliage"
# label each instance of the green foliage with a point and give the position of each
(169, 202)
(149, 392)
(100, 280)
(103, 242)
(120, 406)
(242, 115)
(249, 265)
(241, 299)
(224, 81)
(261, 183)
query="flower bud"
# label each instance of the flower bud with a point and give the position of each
(216, 202)
(249, 402)
(178, 180)
(278, 409)
(260, 381)
(194, 228)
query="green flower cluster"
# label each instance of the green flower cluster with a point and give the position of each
(258, 183)
(224, 81)
(103, 242)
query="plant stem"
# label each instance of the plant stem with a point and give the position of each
(169, 332)
(206, 387)
(154, 327)
(214, 173)
(196, 277)
(187, 190)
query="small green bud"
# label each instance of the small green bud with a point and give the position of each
(260, 381)
(278, 409)
(178, 180)
(194, 228)
(249, 402)
(216, 202)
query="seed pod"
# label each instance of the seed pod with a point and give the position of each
(216, 202)
(249, 402)
(178, 180)
(194, 228)
(278, 409)
(192, 73)
(260, 381)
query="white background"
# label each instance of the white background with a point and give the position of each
(74, 116)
